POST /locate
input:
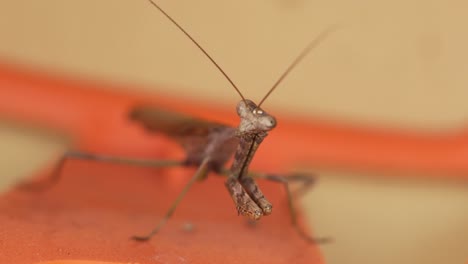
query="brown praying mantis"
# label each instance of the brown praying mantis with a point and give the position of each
(209, 146)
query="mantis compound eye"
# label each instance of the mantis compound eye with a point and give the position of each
(258, 112)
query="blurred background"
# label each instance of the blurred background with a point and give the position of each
(400, 64)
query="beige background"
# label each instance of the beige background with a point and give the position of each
(396, 63)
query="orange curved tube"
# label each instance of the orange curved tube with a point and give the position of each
(76, 106)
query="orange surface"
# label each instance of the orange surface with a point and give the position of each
(92, 212)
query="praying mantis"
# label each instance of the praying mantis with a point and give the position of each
(209, 146)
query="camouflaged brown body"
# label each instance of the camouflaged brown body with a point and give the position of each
(217, 142)
(209, 145)
(199, 138)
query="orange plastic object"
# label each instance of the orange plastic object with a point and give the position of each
(94, 116)
(91, 213)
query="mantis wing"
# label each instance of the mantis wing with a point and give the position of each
(198, 137)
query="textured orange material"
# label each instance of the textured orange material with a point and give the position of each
(78, 262)
(92, 212)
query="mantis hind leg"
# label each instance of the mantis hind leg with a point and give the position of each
(56, 173)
